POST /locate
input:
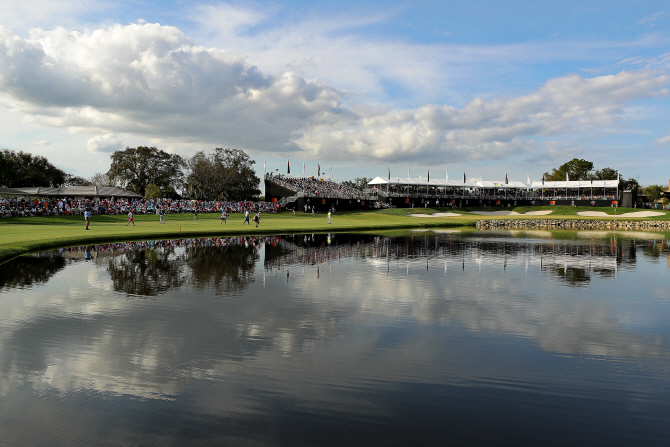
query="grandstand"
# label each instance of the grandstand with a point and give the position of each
(413, 192)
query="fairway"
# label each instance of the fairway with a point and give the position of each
(25, 235)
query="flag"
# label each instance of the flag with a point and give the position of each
(506, 181)
(303, 168)
(408, 176)
(567, 177)
(389, 173)
(447, 174)
(288, 167)
(428, 175)
(463, 176)
(542, 179)
(331, 172)
(264, 166)
(318, 174)
(527, 179)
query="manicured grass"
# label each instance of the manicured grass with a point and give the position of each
(24, 235)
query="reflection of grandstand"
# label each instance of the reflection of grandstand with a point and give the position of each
(574, 260)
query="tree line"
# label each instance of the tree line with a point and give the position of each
(224, 174)
(22, 170)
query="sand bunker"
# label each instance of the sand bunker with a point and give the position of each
(486, 213)
(634, 214)
(496, 213)
(538, 213)
(435, 215)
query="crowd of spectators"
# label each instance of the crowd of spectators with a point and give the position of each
(313, 186)
(46, 206)
(121, 247)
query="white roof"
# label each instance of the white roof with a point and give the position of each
(501, 184)
(576, 184)
(404, 181)
(72, 191)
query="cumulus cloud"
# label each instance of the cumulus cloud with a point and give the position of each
(495, 128)
(663, 141)
(42, 143)
(153, 81)
(104, 143)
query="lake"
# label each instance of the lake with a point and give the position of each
(423, 338)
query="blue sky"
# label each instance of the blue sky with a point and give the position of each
(486, 87)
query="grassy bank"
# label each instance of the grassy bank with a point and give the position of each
(25, 235)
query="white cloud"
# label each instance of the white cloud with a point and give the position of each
(104, 143)
(662, 141)
(152, 81)
(651, 18)
(42, 143)
(493, 129)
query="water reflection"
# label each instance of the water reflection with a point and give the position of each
(28, 270)
(367, 337)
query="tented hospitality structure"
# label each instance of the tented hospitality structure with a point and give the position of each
(484, 189)
(75, 191)
(579, 189)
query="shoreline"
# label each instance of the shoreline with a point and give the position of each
(39, 234)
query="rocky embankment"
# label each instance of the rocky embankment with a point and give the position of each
(570, 224)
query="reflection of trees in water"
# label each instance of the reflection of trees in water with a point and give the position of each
(146, 272)
(29, 270)
(225, 266)
(574, 276)
(227, 270)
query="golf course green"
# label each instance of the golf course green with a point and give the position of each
(29, 234)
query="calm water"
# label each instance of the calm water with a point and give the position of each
(432, 339)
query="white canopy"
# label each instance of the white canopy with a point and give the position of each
(581, 184)
(75, 191)
(405, 181)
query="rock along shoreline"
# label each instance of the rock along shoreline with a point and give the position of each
(572, 224)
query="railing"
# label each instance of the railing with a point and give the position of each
(284, 201)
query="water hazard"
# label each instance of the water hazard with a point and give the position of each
(484, 338)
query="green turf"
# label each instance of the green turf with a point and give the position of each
(24, 235)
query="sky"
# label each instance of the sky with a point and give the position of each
(489, 88)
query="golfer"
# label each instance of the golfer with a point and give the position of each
(130, 219)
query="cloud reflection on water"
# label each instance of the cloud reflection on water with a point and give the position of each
(358, 313)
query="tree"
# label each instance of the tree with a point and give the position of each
(605, 174)
(135, 168)
(152, 192)
(360, 183)
(576, 169)
(225, 174)
(21, 169)
(653, 192)
(74, 180)
(100, 179)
